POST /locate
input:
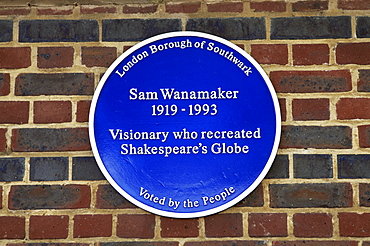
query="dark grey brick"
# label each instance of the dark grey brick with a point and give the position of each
(311, 27)
(326, 195)
(58, 31)
(363, 27)
(86, 168)
(363, 84)
(313, 166)
(230, 28)
(137, 29)
(280, 168)
(48, 168)
(35, 84)
(6, 30)
(140, 244)
(11, 169)
(353, 166)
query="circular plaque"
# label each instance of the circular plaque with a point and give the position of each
(185, 124)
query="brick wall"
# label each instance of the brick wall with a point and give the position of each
(317, 54)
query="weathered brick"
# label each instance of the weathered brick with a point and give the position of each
(270, 53)
(52, 111)
(318, 137)
(35, 84)
(50, 139)
(55, 57)
(6, 30)
(353, 53)
(311, 109)
(363, 83)
(28, 197)
(279, 168)
(363, 26)
(311, 81)
(135, 225)
(55, 10)
(230, 28)
(48, 168)
(353, 166)
(139, 8)
(86, 168)
(227, 243)
(268, 6)
(87, 9)
(137, 29)
(310, 54)
(95, 225)
(15, 57)
(224, 225)
(315, 243)
(31, 31)
(354, 225)
(313, 225)
(254, 199)
(353, 108)
(83, 109)
(14, 112)
(179, 227)
(282, 104)
(12, 169)
(4, 84)
(328, 195)
(317, 27)
(49, 227)
(173, 8)
(108, 198)
(354, 4)
(236, 7)
(48, 244)
(3, 140)
(12, 227)
(142, 243)
(364, 136)
(15, 10)
(313, 166)
(98, 56)
(316, 5)
(267, 225)
(364, 195)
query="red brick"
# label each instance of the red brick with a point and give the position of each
(311, 81)
(15, 10)
(139, 8)
(135, 225)
(282, 103)
(12, 227)
(108, 198)
(313, 225)
(267, 225)
(227, 243)
(49, 227)
(270, 53)
(179, 227)
(224, 225)
(15, 57)
(58, 10)
(52, 111)
(316, 5)
(2, 140)
(98, 56)
(14, 112)
(268, 6)
(86, 9)
(96, 225)
(311, 109)
(364, 136)
(315, 243)
(225, 7)
(353, 108)
(83, 109)
(4, 84)
(354, 4)
(55, 57)
(182, 7)
(353, 53)
(310, 54)
(354, 225)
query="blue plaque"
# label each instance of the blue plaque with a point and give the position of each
(185, 124)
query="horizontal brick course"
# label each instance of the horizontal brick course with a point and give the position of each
(225, 7)
(268, 6)
(173, 8)
(227, 243)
